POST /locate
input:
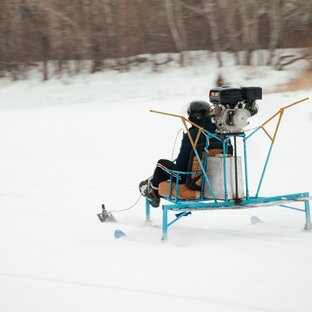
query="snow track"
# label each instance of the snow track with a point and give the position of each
(59, 163)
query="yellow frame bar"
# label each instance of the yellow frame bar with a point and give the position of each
(280, 113)
(184, 121)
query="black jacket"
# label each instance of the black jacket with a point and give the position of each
(186, 146)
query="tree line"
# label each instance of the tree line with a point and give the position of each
(114, 33)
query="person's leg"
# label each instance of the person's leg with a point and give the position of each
(149, 187)
(162, 173)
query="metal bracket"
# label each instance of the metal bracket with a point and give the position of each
(106, 216)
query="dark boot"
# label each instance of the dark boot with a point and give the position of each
(147, 191)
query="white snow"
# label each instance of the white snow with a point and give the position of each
(67, 146)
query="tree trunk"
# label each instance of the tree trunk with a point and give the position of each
(111, 35)
(210, 9)
(232, 30)
(96, 42)
(174, 29)
(181, 29)
(246, 23)
(45, 49)
(275, 28)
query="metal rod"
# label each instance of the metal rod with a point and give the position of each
(147, 211)
(274, 115)
(211, 135)
(165, 223)
(267, 133)
(246, 168)
(252, 133)
(225, 143)
(178, 116)
(295, 103)
(283, 108)
(189, 134)
(292, 208)
(264, 169)
(202, 191)
(307, 214)
(198, 135)
(167, 114)
(170, 187)
(183, 214)
(177, 188)
(278, 124)
(235, 167)
(250, 203)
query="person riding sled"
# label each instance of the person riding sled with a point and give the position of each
(198, 113)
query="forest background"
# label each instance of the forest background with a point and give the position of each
(119, 33)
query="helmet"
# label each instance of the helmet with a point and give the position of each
(198, 111)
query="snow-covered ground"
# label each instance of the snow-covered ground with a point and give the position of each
(68, 146)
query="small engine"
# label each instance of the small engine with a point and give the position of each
(233, 106)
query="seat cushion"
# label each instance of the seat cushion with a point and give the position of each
(184, 192)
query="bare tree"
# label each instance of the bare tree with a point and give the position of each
(111, 32)
(175, 23)
(276, 23)
(210, 9)
(248, 17)
(233, 32)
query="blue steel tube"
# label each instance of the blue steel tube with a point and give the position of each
(253, 133)
(170, 188)
(202, 191)
(235, 168)
(148, 211)
(264, 169)
(307, 214)
(165, 223)
(246, 167)
(177, 188)
(225, 147)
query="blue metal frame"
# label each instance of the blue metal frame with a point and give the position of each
(185, 206)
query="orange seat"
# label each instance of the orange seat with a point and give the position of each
(183, 193)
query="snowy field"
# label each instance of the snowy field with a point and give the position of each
(67, 146)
